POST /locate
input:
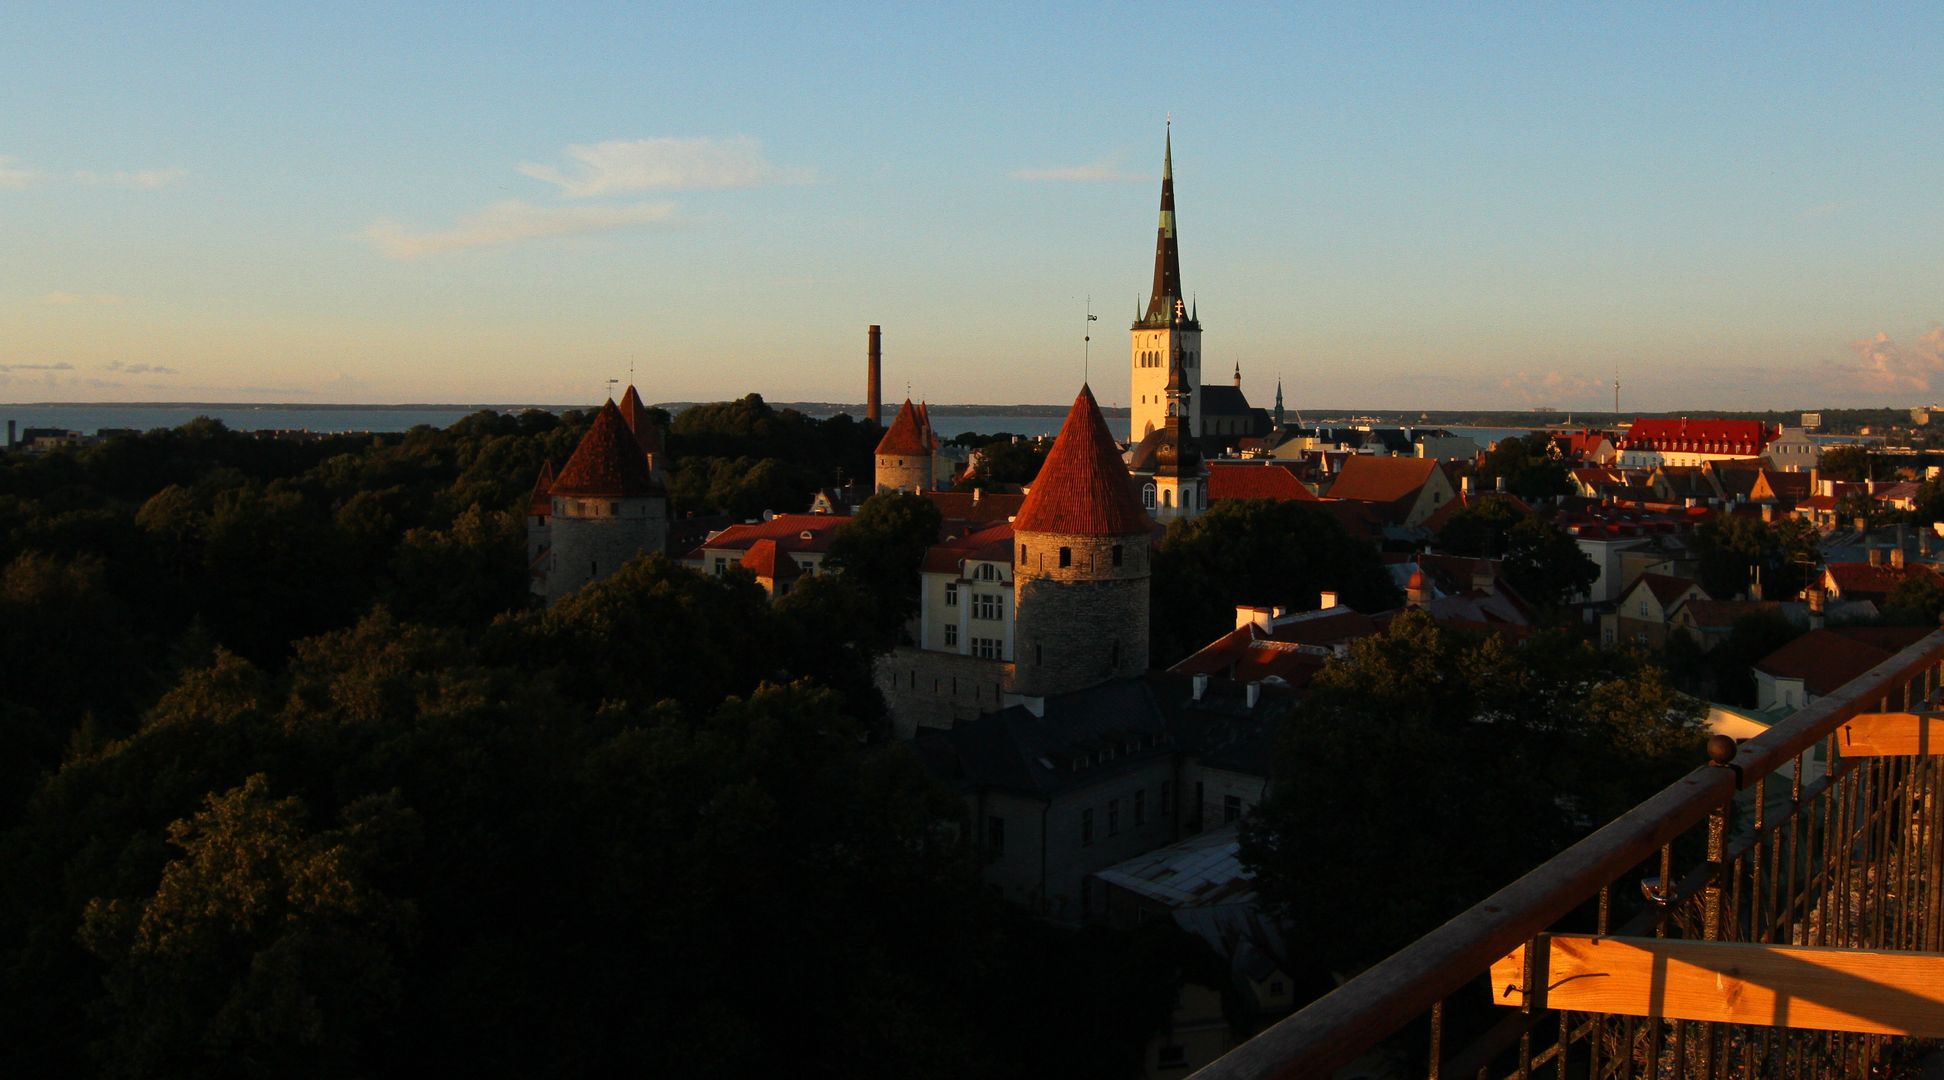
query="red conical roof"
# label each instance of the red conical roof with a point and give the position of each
(608, 463)
(905, 435)
(540, 503)
(647, 433)
(1083, 488)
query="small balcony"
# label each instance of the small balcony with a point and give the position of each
(1777, 912)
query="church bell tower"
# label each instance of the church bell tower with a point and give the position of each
(1167, 329)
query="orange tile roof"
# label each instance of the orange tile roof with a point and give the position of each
(1861, 581)
(1367, 478)
(905, 435)
(991, 505)
(1083, 488)
(540, 503)
(789, 530)
(1826, 659)
(607, 463)
(1232, 480)
(991, 544)
(765, 559)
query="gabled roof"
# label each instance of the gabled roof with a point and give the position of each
(765, 559)
(1666, 587)
(1083, 487)
(1224, 401)
(608, 463)
(540, 503)
(1367, 478)
(1860, 580)
(1721, 614)
(1826, 659)
(1242, 480)
(793, 533)
(906, 434)
(1477, 498)
(991, 544)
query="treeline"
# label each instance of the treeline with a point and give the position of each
(294, 782)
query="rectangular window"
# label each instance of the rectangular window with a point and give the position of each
(951, 594)
(985, 648)
(1066, 556)
(1231, 808)
(1113, 817)
(721, 565)
(951, 633)
(1117, 554)
(1086, 827)
(1140, 808)
(996, 835)
(986, 605)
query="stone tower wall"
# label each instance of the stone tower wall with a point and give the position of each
(1081, 624)
(904, 472)
(588, 546)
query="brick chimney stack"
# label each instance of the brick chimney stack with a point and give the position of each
(874, 393)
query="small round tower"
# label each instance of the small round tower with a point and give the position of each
(904, 455)
(1080, 572)
(607, 507)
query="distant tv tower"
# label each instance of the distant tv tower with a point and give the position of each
(1616, 393)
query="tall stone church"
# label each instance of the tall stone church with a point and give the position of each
(1166, 347)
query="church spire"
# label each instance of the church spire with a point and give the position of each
(1167, 257)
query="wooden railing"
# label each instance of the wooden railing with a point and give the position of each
(1783, 842)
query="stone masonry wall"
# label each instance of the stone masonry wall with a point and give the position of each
(904, 472)
(937, 690)
(589, 548)
(1081, 624)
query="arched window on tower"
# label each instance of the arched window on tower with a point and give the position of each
(1147, 496)
(1167, 500)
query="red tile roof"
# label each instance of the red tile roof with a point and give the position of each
(647, 433)
(1083, 487)
(991, 544)
(1861, 581)
(1367, 478)
(991, 505)
(1233, 480)
(608, 463)
(906, 434)
(1826, 659)
(765, 559)
(1745, 438)
(793, 532)
(1241, 656)
(540, 503)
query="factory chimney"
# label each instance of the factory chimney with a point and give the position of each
(874, 393)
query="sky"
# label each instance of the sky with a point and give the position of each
(1385, 206)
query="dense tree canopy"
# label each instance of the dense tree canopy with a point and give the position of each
(1258, 552)
(1528, 465)
(1737, 551)
(1465, 762)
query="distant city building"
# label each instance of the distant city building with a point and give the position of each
(1652, 443)
(906, 455)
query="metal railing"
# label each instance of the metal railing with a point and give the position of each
(1786, 843)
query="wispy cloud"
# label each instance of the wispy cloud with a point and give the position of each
(15, 176)
(132, 180)
(68, 299)
(1884, 364)
(62, 366)
(142, 369)
(512, 221)
(1106, 170)
(1549, 387)
(617, 166)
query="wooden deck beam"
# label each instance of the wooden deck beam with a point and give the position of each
(1892, 734)
(1863, 990)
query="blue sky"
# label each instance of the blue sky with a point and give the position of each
(1388, 206)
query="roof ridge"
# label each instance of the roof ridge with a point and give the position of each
(1083, 487)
